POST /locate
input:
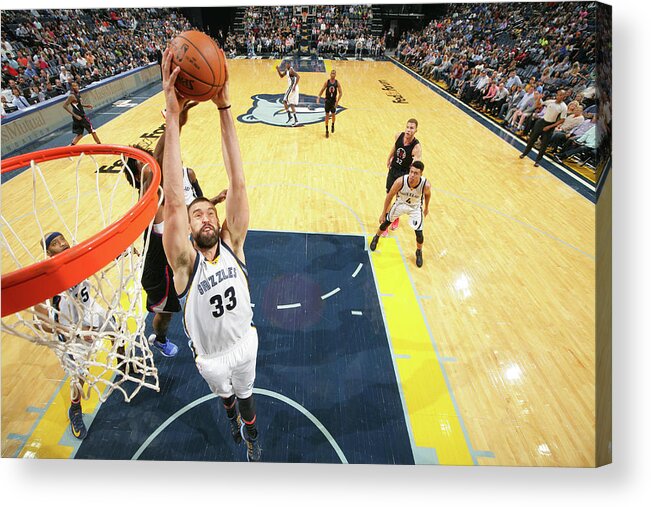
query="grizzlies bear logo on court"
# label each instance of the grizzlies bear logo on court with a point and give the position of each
(269, 109)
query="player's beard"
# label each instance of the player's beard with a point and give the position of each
(206, 239)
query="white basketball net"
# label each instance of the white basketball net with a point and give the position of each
(96, 328)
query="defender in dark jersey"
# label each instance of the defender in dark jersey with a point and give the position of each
(80, 121)
(405, 150)
(332, 87)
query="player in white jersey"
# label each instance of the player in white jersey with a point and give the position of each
(412, 193)
(209, 270)
(68, 309)
(290, 99)
(191, 188)
(157, 278)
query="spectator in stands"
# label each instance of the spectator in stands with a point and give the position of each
(29, 71)
(563, 132)
(513, 79)
(527, 105)
(59, 88)
(36, 95)
(8, 70)
(491, 90)
(499, 98)
(19, 101)
(49, 91)
(440, 71)
(516, 93)
(586, 143)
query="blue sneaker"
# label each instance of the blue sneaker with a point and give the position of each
(77, 422)
(168, 349)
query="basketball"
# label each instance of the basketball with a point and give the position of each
(202, 62)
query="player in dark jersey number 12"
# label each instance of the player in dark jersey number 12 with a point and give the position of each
(333, 92)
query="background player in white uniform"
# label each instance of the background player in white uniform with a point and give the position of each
(68, 309)
(410, 191)
(209, 270)
(191, 187)
(290, 100)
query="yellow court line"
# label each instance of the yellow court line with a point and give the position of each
(434, 420)
(44, 442)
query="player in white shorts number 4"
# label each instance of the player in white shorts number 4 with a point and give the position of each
(412, 193)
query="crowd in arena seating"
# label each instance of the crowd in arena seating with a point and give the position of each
(337, 29)
(44, 51)
(346, 30)
(506, 59)
(267, 29)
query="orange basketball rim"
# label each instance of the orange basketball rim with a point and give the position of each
(34, 284)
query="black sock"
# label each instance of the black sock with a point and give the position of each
(247, 412)
(161, 338)
(289, 115)
(295, 118)
(326, 127)
(229, 405)
(75, 404)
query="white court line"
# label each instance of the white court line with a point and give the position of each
(358, 269)
(355, 312)
(331, 293)
(263, 392)
(286, 307)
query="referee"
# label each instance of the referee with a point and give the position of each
(555, 113)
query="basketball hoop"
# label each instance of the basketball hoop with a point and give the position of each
(100, 346)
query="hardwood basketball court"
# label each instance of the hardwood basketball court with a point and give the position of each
(492, 340)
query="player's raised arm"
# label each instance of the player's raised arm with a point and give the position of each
(178, 249)
(281, 73)
(237, 203)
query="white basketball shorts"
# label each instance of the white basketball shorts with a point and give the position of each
(415, 214)
(232, 372)
(292, 97)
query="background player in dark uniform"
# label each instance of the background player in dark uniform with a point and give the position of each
(80, 121)
(405, 150)
(331, 87)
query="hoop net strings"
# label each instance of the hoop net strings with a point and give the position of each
(96, 328)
